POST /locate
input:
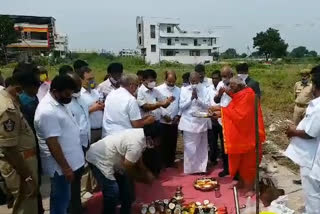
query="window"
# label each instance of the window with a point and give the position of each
(204, 40)
(153, 48)
(39, 36)
(194, 53)
(215, 41)
(210, 42)
(169, 42)
(169, 29)
(169, 53)
(139, 28)
(209, 52)
(184, 44)
(152, 31)
(177, 40)
(195, 42)
(140, 40)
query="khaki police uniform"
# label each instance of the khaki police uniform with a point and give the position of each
(15, 132)
(303, 97)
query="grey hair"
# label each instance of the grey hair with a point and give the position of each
(193, 74)
(237, 80)
(128, 79)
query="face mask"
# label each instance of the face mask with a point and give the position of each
(152, 84)
(304, 81)
(65, 100)
(243, 76)
(170, 88)
(194, 86)
(113, 81)
(92, 84)
(225, 81)
(43, 77)
(76, 95)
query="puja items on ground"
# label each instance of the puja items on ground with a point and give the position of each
(203, 208)
(206, 184)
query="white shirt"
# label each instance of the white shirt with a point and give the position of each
(53, 119)
(121, 108)
(147, 96)
(173, 109)
(80, 111)
(213, 91)
(303, 151)
(187, 107)
(207, 82)
(105, 88)
(43, 90)
(91, 98)
(108, 154)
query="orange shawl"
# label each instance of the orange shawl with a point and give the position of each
(238, 121)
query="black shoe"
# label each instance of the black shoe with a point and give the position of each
(297, 182)
(223, 173)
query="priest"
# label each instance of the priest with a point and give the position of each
(238, 121)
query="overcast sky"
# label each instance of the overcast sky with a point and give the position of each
(97, 24)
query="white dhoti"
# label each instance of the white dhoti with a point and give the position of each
(195, 152)
(311, 190)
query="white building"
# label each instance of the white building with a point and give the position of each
(61, 44)
(162, 39)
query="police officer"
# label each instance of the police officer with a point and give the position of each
(303, 95)
(18, 160)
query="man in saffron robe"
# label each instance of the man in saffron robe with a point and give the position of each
(238, 121)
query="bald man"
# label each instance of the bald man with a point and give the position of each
(170, 117)
(193, 100)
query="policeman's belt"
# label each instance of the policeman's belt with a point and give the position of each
(302, 105)
(26, 154)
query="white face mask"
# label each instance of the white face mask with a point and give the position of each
(152, 84)
(76, 95)
(170, 88)
(243, 76)
(194, 86)
(113, 80)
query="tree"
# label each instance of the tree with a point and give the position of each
(312, 54)
(299, 52)
(7, 35)
(270, 44)
(243, 55)
(230, 53)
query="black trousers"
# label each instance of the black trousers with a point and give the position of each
(214, 135)
(168, 146)
(75, 206)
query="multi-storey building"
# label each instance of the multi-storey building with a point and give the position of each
(162, 39)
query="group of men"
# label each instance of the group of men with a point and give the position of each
(125, 128)
(304, 136)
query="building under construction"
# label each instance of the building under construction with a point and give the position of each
(37, 35)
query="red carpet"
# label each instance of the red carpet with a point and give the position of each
(165, 187)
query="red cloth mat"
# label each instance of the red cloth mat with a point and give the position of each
(165, 186)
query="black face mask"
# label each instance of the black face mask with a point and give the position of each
(65, 100)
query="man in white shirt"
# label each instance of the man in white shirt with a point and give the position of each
(194, 99)
(122, 110)
(60, 149)
(304, 148)
(114, 73)
(216, 131)
(170, 117)
(150, 99)
(91, 98)
(45, 83)
(201, 70)
(226, 75)
(117, 158)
